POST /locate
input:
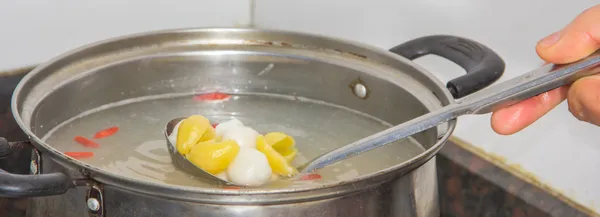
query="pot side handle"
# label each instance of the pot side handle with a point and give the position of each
(483, 65)
(19, 186)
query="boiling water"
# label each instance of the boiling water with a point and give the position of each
(138, 150)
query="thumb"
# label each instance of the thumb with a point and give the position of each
(584, 99)
(577, 40)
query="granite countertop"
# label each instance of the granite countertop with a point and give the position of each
(472, 183)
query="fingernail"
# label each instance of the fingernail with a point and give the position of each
(550, 40)
(577, 112)
(581, 115)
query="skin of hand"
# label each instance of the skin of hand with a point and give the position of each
(577, 40)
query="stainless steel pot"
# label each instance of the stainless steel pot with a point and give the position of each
(384, 84)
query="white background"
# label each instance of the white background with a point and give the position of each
(559, 150)
(32, 31)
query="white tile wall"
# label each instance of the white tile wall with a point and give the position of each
(33, 31)
(559, 150)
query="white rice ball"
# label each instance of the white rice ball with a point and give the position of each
(244, 136)
(250, 168)
(226, 126)
(223, 176)
(173, 137)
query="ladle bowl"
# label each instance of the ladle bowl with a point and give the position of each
(183, 163)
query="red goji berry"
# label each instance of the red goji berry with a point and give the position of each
(106, 132)
(212, 96)
(231, 187)
(80, 155)
(312, 176)
(86, 142)
(215, 125)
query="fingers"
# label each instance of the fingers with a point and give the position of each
(584, 99)
(577, 40)
(516, 117)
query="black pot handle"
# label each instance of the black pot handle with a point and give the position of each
(483, 65)
(19, 186)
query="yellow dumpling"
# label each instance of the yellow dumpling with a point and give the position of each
(193, 130)
(282, 143)
(279, 164)
(210, 134)
(213, 157)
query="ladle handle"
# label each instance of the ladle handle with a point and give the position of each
(19, 186)
(543, 79)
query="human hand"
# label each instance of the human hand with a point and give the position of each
(577, 40)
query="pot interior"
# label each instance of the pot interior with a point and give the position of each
(303, 92)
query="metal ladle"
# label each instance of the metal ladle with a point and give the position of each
(545, 78)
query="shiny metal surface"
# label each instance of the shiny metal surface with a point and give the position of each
(182, 162)
(545, 78)
(414, 194)
(238, 61)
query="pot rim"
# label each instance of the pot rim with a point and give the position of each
(149, 187)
